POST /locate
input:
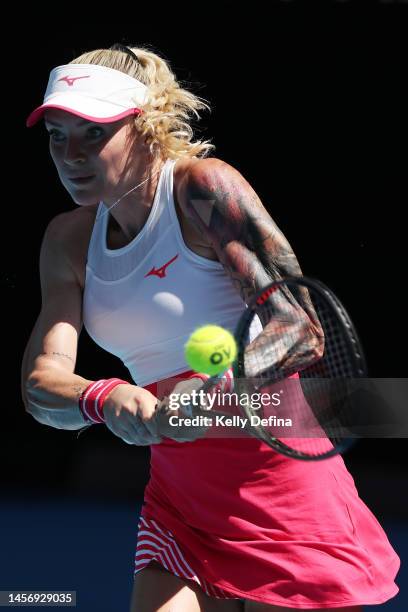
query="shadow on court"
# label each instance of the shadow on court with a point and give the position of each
(65, 544)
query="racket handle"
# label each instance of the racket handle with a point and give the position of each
(184, 388)
(197, 382)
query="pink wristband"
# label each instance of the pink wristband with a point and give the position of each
(93, 397)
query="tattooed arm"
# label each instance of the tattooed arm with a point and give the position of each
(226, 210)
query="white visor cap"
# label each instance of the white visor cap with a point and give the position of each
(93, 92)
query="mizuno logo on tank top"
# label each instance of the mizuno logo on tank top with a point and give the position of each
(161, 272)
(71, 80)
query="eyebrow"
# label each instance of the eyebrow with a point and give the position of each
(79, 124)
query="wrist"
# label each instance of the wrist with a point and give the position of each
(93, 398)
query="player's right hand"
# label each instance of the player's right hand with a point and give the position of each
(129, 413)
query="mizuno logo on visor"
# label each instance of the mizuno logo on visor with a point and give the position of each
(70, 80)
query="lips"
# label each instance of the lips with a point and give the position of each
(79, 180)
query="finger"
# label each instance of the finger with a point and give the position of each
(137, 431)
(152, 426)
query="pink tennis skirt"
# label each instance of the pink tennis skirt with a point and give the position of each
(245, 522)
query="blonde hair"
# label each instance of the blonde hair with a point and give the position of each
(169, 109)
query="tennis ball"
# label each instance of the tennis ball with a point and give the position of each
(210, 349)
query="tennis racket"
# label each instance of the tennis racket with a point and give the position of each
(297, 346)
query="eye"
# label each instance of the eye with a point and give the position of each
(95, 132)
(56, 135)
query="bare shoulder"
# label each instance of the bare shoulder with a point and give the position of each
(214, 193)
(70, 232)
(209, 172)
(213, 180)
(193, 236)
(211, 192)
(208, 179)
(72, 224)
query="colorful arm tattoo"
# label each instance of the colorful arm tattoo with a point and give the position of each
(254, 252)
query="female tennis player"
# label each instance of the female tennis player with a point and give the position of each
(166, 239)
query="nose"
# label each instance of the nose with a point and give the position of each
(74, 154)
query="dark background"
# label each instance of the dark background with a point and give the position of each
(309, 104)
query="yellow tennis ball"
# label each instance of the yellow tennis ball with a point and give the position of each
(210, 349)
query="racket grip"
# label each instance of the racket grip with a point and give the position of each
(173, 403)
(195, 382)
(162, 406)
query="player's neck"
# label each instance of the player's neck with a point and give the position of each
(131, 213)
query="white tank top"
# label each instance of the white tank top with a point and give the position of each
(142, 301)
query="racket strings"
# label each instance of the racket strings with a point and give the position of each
(306, 360)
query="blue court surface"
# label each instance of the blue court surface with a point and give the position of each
(88, 547)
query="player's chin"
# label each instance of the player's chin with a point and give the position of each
(83, 198)
(87, 203)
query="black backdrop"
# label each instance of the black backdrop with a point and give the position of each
(308, 102)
